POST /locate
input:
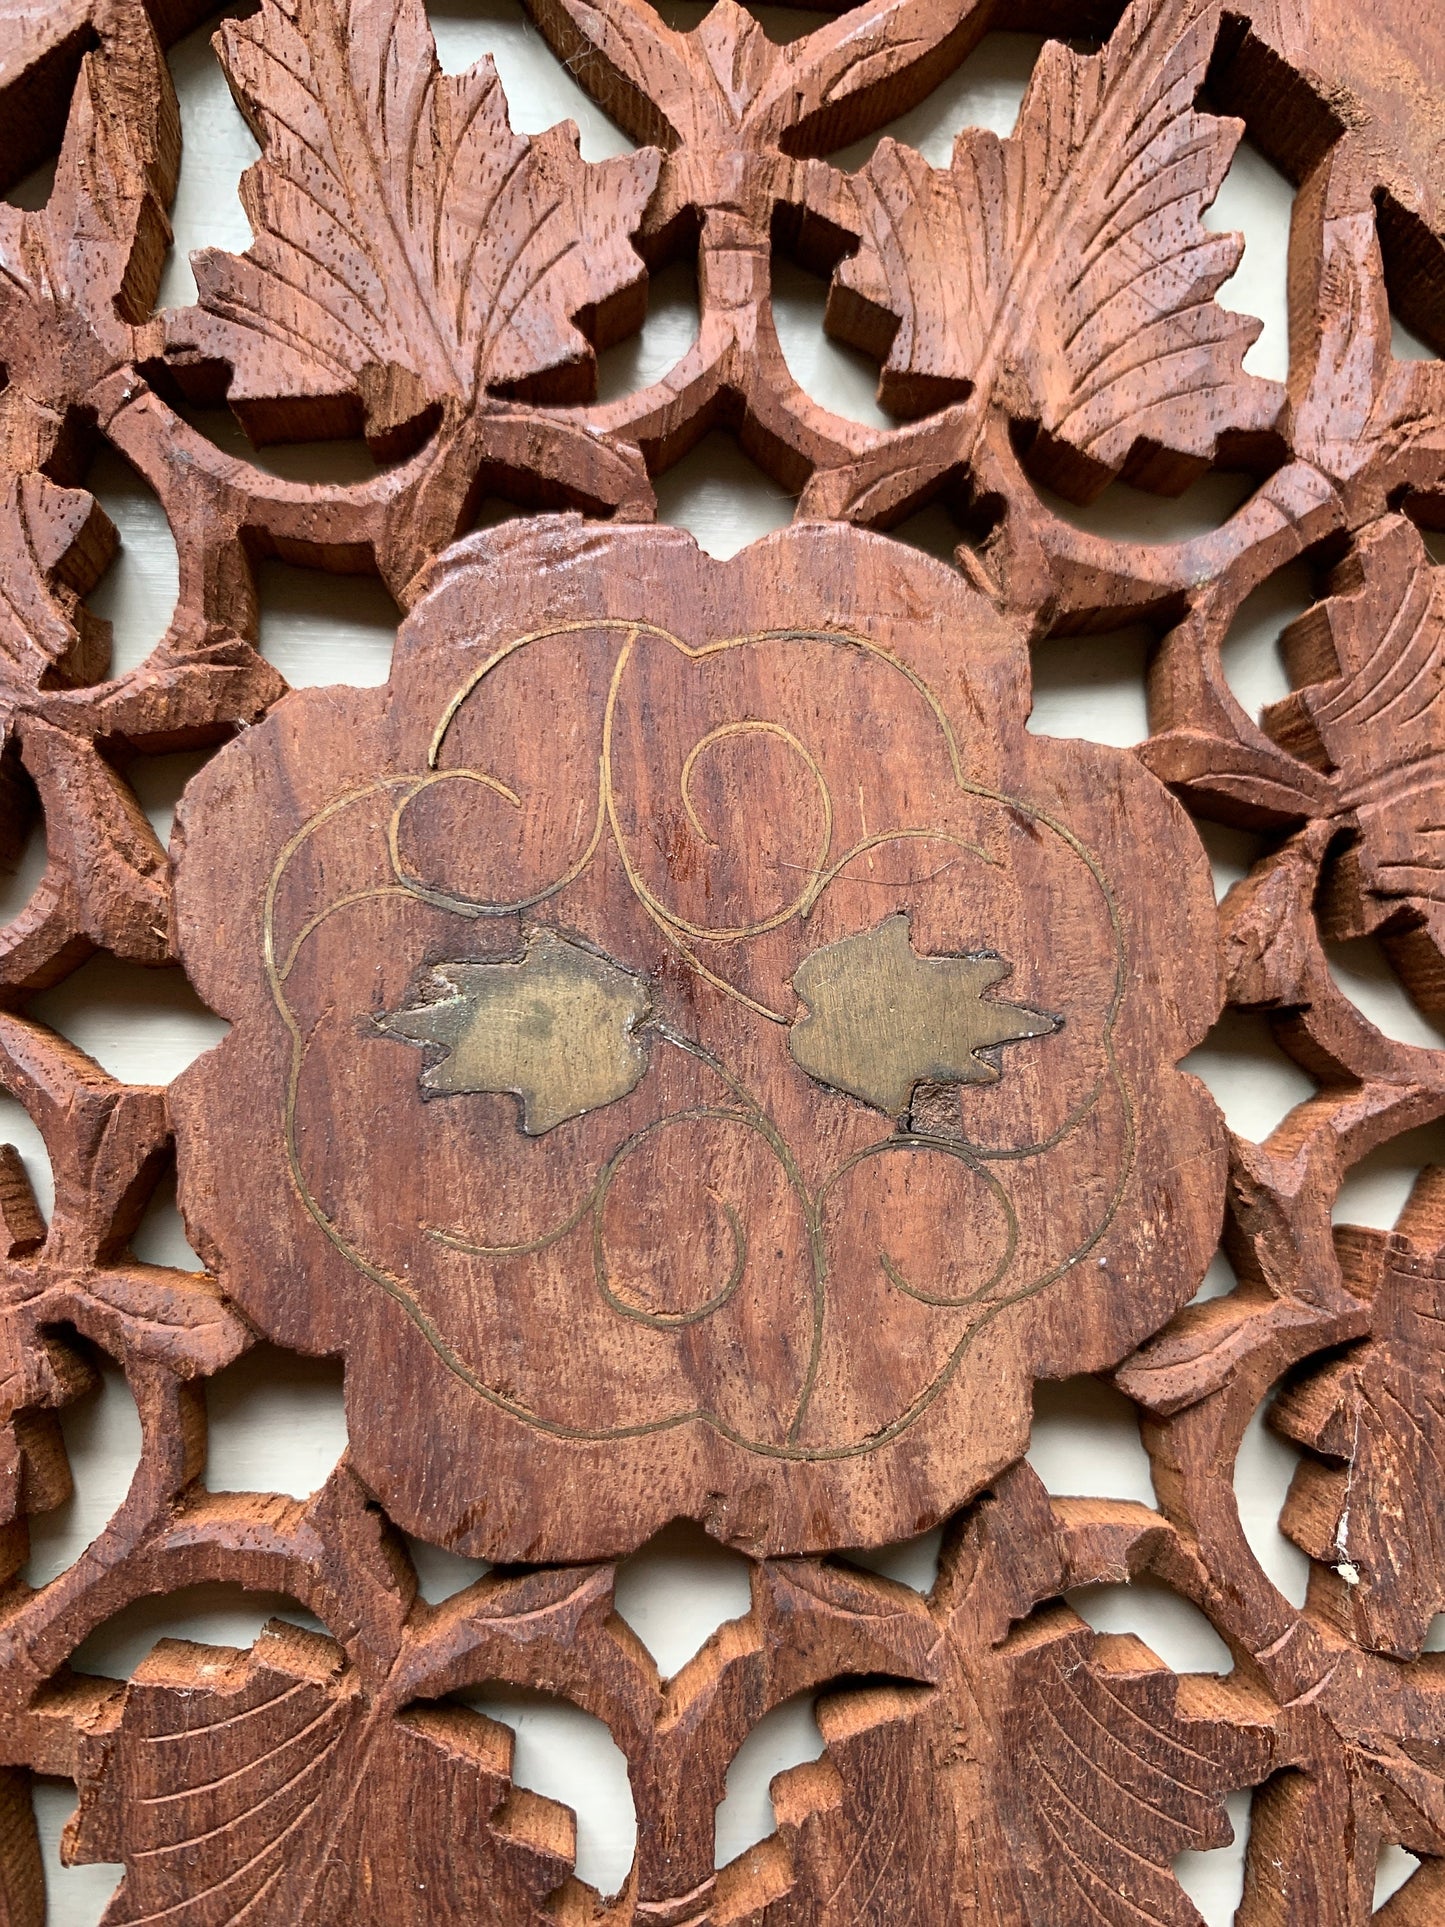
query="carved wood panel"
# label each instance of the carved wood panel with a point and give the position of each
(693, 1052)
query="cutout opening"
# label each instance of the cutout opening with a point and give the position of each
(1376, 1190)
(1218, 1282)
(1086, 1433)
(1395, 1866)
(1407, 346)
(1414, 273)
(1093, 686)
(18, 1129)
(1250, 1078)
(721, 496)
(985, 90)
(439, 1573)
(1213, 1877)
(214, 1614)
(1168, 1624)
(912, 1562)
(1257, 200)
(666, 335)
(158, 782)
(102, 1434)
(935, 530)
(1124, 513)
(1433, 538)
(780, 24)
(143, 1026)
(216, 149)
(1232, 853)
(676, 1591)
(1362, 969)
(571, 1757)
(137, 593)
(1263, 1474)
(1252, 654)
(836, 376)
(343, 460)
(160, 1237)
(23, 850)
(540, 88)
(33, 190)
(787, 1737)
(276, 1422)
(75, 1896)
(316, 627)
(493, 510)
(38, 104)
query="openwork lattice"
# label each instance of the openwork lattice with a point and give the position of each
(1044, 313)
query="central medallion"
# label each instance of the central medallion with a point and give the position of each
(694, 1063)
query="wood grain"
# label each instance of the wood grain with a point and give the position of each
(694, 1050)
(664, 787)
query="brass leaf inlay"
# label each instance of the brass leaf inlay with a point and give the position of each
(558, 1027)
(882, 1020)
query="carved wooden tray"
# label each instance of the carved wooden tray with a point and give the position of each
(693, 1052)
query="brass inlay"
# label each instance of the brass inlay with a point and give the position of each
(882, 1020)
(983, 1304)
(558, 1027)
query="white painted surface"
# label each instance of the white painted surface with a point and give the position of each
(279, 1424)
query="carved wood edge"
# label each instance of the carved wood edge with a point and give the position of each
(1043, 311)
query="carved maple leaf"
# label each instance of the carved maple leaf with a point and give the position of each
(1376, 1413)
(1372, 714)
(1104, 1767)
(54, 545)
(1357, 746)
(558, 1028)
(1096, 1733)
(410, 248)
(1057, 1772)
(87, 264)
(882, 1020)
(727, 100)
(1065, 272)
(264, 1786)
(1102, 1764)
(104, 1142)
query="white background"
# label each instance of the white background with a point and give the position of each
(277, 1423)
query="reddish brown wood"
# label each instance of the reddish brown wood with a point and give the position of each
(1319, 68)
(755, 1049)
(704, 813)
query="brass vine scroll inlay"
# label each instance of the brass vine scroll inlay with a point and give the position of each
(715, 1020)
